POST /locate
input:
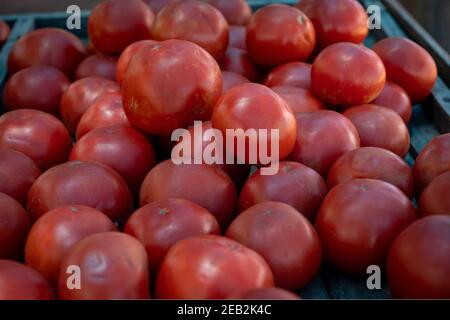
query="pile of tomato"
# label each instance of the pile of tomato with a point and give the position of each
(92, 206)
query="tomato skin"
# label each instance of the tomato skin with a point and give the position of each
(408, 65)
(298, 99)
(236, 12)
(232, 79)
(58, 231)
(359, 220)
(238, 60)
(109, 36)
(418, 264)
(20, 282)
(24, 89)
(270, 293)
(170, 85)
(37, 134)
(237, 37)
(4, 31)
(113, 266)
(210, 267)
(277, 34)
(97, 66)
(372, 163)
(435, 199)
(292, 74)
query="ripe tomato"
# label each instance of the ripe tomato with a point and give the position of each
(24, 90)
(83, 183)
(169, 85)
(37, 134)
(56, 232)
(210, 267)
(237, 60)
(322, 137)
(346, 74)
(372, 163)
(269, 293)
(236, 12)
(435, 199)
(380, 127)
(210, 30)
(395, 98)
(232, 79)
(358, 221)
(4, 31)
(298, 99)
(292, 74)
(237, 37)
(408, 65)
(113, 266)
(278, 34)
(98, 66)
(115, 24)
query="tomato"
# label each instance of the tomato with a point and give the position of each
(278, 34)
(237, 60)
(433, 160)
(210, 30)
(269, 293)
(98, 66)
(372, 163)
(322, 137)
(49, 47)
(17, 174)
(237, 37)
(4, 31)
(157, 5)
(24, 90)
(336, 20)
(298, 99)
(20, 282)
(408, 65)
(346, 74)
(292, 74)
(358, 221)
(106, 111)
(236, 12)
(206, 185)
(435, 199)
(394, 97)
(380, 127)
(115, 24)
(169, 85)
(57, 232)
(294, 184)
(79, 97)
(37, 134)
(83, 183)
(210, 267)
(255, 106)
(284, 238)
(232, 79)
(113, 266)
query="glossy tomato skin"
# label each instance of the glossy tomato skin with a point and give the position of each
(210, 30)
(237, 37)
(372, 163)
(284, 238)
(395, 98)
(322, 137)
(298, 99)
(380, 127)
(4, 31)
(408, 65)
(114, 266)
(292, 74)
(278, 34)
(270, 293)
(56, 232)
(97, 66)
(238, 60)
(435, 199)
(170, 85)
(37, 134)
(359, 220)
(110, 36)
(210, 267)
(232, 79)
(20, 282)
(24, 90)
(236, 12)
(80, 183)
(418, 264)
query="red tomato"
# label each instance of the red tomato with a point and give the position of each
(206, 185)
(294, 184)
(113, 266)
(157, 5)
(210, 30)
(232, 79)
(20, 282)
(210, 267)
(37, 134)
(270, 293)
(98, 66)
(395, 98)
(236, 12)
(237, 37)
(17, 174)
(49, 47)
(169, 85)
(372, 163)
(4, 31)
(284, 238)
(159, 225)
(298, 99)
(408, 65)
(336, 20)
(346, 74)
(57, 232)
(322, 137)
(278, 34)
(380, 127)
(293, 74)
(115, 24)
(237, 60)
(358, 221)
(435, 199)
(83, 183)
(24, 90)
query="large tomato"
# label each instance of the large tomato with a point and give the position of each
(269, 293)
(238, 60)
(394, 97)
(292, 74)
(435, 199)
(236, 12)
(298, 99)
(98, 66)
(232, 79)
